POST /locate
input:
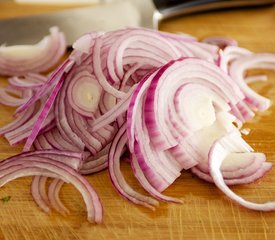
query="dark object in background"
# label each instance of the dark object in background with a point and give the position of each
(173, 8)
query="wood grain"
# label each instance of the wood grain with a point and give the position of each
(206, 212)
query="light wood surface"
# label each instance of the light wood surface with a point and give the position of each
(206, 213)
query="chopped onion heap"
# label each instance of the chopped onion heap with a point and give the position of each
(164, 102)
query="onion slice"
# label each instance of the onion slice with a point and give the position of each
(22, 59)
(17, 166)
(116, 176)
(38, 191)
(53, 195)
(84, 93)
(220, 149)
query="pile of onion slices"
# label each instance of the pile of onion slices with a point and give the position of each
(165, 102)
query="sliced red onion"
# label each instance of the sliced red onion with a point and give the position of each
(154, 173)
(72, 159)
(237, 70)
(147, 186)
(20, 120)
(85, 42)
(111, 115)
(99, 73)
(116, 176)
(231, 53)
(96, 163)
(265, 168)
(62, 121)
(53, 80)
(29, 81)
(38, 190)
(221, 42)
(161, 168)
(167, 98)
(21, 59)
(96, 167)
(239, 165)
(54, 199)
(84, 93)
(251, 79)
(7, 98)
(42, 116)
(18, 133)
(38, 166)
(16, 137)
(58, 142)
(220, 149)
(76, 122)
(42, 143)
(182, 72)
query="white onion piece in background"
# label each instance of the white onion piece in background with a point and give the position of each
(22, 59)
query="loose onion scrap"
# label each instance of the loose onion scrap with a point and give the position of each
(165, 102)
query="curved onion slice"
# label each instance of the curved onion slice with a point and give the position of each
(116, 176)
(114, 113)
(38, 187)
(220, 149)
(157, 129)
(84, 93)
(55, 139)
(29, 81)
(38, 191)
(7, 98)
(147, 186)
(15, 167)
(240, 66)
(54, 199)
(221, 42)
(17, 133)
(251, 79)
(96, 163)
(62, 120)
(56, 77)
(265, 167)
(21, 59)
(19, 121)
(42, 116)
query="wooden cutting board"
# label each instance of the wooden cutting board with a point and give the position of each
(206, 213)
